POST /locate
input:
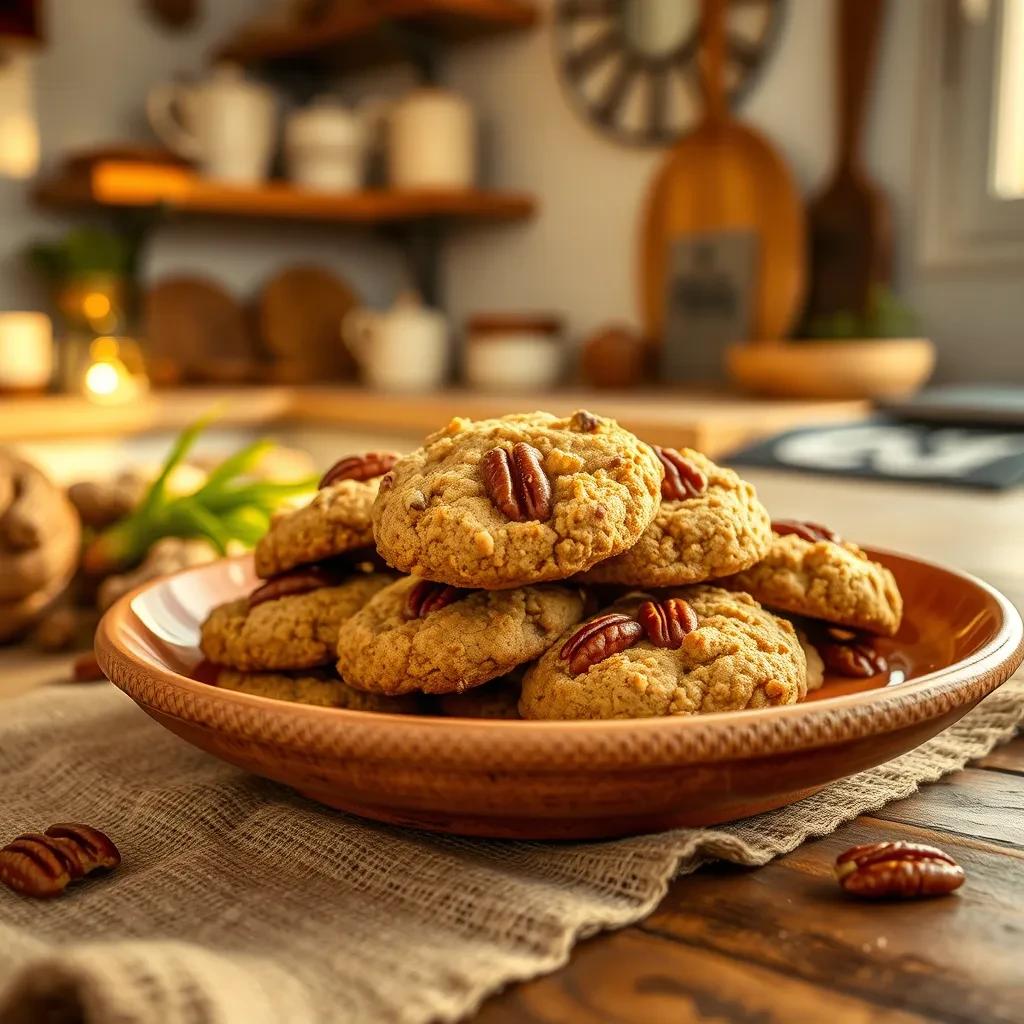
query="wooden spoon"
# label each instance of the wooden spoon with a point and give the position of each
(725, 177)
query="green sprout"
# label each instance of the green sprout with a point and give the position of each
(227, 507)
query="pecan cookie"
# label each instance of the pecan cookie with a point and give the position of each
(710, 524)
(811, 571)
(517, 500)
(320, 687)
(497, 699)
(292, 628)
(419, 635)
(336, 521)
(690, 651)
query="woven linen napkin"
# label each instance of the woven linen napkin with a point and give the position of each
(239, 901)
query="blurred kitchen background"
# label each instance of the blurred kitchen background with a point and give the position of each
(788, 232)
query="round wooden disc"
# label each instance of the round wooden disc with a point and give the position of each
(195, 330)
(300, 310)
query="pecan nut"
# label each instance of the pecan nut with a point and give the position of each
(43, 865)
(584, 422)
(856, 659)
(897, 871)
(667, 622)
(516, 483)
(804, 530)
(359, 467)
(682, 478)
(302, 580)
(599, 639)
(427, 596)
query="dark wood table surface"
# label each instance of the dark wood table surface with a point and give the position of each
(783, 944)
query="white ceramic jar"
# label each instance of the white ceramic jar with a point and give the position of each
(26, 351)
(513, 352)
(325, 147)
(431, 141)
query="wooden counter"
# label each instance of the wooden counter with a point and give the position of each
(712, 423)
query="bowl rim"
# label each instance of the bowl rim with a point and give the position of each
(310, 732)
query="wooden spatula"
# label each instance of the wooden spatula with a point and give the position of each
(725, 177)
(849, 224)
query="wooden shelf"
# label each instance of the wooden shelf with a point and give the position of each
(116, 183)
(714, 423)
(363, 35)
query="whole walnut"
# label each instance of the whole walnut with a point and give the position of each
(613, 357)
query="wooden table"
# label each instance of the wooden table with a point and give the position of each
(780, 943)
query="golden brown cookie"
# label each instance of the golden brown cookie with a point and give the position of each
(697, 650)
(419, 635)
(295, 631)
(335, 522)
(517, 500)
(497, 699)
(319, 687)
(809, 571)
(709, 524)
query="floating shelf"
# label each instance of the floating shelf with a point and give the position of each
(123, 184)
(361, 36)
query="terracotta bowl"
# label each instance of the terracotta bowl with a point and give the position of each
(960, 639)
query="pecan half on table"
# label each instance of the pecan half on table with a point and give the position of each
(359, 467)
(516, 483)
(897, 871)
(599, 639)
(44, 864)
(682, 478)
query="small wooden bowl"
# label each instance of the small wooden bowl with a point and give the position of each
(559, 780)
(870, 368)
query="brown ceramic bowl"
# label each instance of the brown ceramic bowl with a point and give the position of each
(960, 639)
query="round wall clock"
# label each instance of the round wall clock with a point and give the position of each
(631, 66)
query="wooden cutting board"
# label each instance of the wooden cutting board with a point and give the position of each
(194, 330)
(725, 177)
(300, 310)
(849, 222)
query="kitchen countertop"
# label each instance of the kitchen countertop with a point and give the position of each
(772, 944)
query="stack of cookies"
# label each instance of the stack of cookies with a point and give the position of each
(547, 568)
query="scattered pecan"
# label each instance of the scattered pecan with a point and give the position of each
(359, 467)
(599, 639)
(682, 478)
(42, 865)
(667, 622)
(584, 422)
(427, 596)
(854, 658)
(300, 581)
(897, 870)
(86, 669)
(806, 531)
(516, 483)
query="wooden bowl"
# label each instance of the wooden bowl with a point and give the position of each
(871, 368)
(960, 639)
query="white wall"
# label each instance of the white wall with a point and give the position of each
(578, 256)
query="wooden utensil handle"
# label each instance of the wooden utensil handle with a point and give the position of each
(712, 60)
(860, 23)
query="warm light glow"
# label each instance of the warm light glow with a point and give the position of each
(96, 306)
(19, 133)
(102, 379)
(1008, 158)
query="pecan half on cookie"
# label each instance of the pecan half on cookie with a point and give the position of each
(516, 483)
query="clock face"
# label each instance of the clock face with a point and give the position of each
(631, 66)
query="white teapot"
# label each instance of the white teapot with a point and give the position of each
(225, 123)
(402, 349)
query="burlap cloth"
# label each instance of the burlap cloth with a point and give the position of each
(238, 901)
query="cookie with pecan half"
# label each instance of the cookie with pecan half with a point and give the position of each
(682, 652)
(289, 628)
(436, 638)
(335, 522)
(709, 524)
(811, 571)
(516, 500)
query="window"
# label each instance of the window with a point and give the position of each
(974, 123)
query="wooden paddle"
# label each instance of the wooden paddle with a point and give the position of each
(725, 177)
(849, 224)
